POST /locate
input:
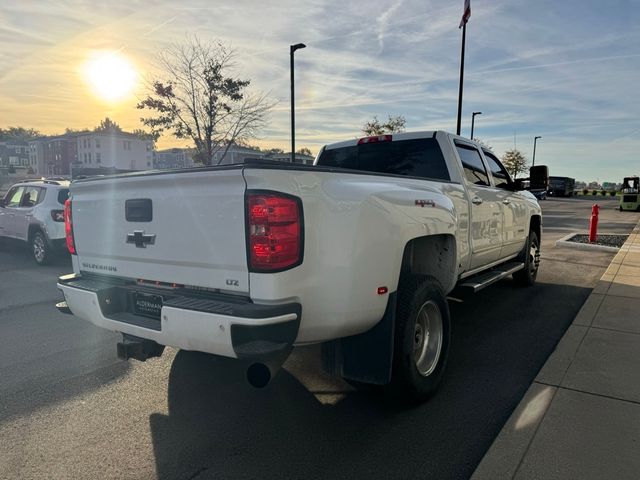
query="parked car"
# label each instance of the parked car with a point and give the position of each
(357, 252)
(539, 194)
(33, 211)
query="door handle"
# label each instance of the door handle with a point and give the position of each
(476, 200)
(506, 201)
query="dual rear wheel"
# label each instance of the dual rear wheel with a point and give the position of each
(422, 337)
(423, 328)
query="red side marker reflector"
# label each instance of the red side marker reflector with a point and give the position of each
(382, 290)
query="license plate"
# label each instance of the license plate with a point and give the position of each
(147, 305)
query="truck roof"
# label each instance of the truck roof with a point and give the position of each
(395, 137)
(399, 137)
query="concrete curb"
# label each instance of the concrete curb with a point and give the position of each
(564, 242)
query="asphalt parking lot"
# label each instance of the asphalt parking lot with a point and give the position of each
(70, 409)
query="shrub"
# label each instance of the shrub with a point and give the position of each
(585, 191)
(603, 193)
(612, 193)
(594, 192)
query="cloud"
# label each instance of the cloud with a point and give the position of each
(383, 21)
(564, 70)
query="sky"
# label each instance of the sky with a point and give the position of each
(567, 71)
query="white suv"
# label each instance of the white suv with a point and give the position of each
(33, 211)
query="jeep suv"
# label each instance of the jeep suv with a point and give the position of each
(33, 211)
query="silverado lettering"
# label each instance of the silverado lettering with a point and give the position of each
(93, 266)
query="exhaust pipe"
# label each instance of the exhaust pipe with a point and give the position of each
(265, 367)
(258, 375)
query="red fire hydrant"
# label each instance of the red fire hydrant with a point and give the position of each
(593, 224)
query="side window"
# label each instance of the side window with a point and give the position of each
(41, 194)
(498, 172)
(63, 195)
(30, 197)
(474, 170)
(14, 196)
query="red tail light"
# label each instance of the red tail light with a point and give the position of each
(375, 139)
(275, 232)
(68, 227)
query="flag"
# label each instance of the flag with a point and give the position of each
(466, 14)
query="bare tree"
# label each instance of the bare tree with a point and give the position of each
(392, 125)
(515, 162)
(483, 143)
(196, 96)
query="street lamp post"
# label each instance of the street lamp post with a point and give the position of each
(473, 118)
(533, 162)
(292, 49)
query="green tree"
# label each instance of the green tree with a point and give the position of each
(195, 95)
(69, 131)
(392, 125)
(144, 135)
(305, 151)
(273, 151)
(18, 133)
(515, 162)
(108, 126)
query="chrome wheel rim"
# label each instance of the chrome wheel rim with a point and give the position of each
(427, 338)
(534, 258)
(38, 248)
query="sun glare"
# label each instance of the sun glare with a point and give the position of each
(110, 75)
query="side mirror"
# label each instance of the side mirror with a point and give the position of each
(519, 184)
(539, 177)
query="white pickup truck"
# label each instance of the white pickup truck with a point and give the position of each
(358, 251)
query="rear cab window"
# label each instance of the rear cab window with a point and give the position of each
(420, 158)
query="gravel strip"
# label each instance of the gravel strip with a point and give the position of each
(607, 240)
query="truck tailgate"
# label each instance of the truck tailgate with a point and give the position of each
(176, 227)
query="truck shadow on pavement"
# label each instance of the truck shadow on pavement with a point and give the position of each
(220, 427)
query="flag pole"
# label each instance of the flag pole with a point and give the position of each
(464, 32)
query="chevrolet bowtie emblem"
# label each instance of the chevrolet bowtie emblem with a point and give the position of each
(141, 239)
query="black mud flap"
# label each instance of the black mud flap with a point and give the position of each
(368, 357)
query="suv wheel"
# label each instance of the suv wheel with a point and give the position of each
(40, 248)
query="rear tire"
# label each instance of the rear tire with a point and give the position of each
(530, 256)
(421, 340)
(40, 249)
